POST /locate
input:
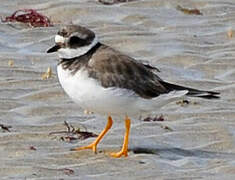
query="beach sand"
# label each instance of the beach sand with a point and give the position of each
(195, 140)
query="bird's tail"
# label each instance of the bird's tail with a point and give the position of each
(149, 105)
(192, 92)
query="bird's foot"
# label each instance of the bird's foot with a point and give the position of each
(119, 154)
(92, 146)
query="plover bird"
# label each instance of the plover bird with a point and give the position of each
(105, 81)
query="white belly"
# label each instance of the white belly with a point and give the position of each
(90, 95)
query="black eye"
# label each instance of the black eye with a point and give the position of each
(63, 33)
(75, 41)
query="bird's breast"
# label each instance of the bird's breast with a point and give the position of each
(77, 86)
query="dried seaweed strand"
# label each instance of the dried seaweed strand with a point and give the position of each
(189, 11)
(74, 134)
(111, 2)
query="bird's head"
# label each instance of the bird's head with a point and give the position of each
(73, 41)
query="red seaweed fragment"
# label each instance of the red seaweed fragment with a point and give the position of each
(29, 16)
(156, 118)
(6, 128)
(32, 148)
(67, 171)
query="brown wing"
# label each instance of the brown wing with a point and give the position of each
(114, 69)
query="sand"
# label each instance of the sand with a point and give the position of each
(195, 141)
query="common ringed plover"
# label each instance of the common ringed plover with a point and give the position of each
(106, 81)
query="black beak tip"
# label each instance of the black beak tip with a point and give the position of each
(53, 49)
(49, 50)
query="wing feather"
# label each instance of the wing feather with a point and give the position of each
(114, 69)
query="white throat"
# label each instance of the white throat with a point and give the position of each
(68, 53)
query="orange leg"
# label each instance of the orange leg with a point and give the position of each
(93, 145)
(124, 150)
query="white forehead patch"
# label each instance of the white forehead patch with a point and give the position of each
(59, 39)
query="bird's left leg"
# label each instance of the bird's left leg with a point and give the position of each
(124, 150)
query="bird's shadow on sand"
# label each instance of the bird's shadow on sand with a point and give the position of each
(174, 153)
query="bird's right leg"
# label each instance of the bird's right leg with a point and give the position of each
(94, 144)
